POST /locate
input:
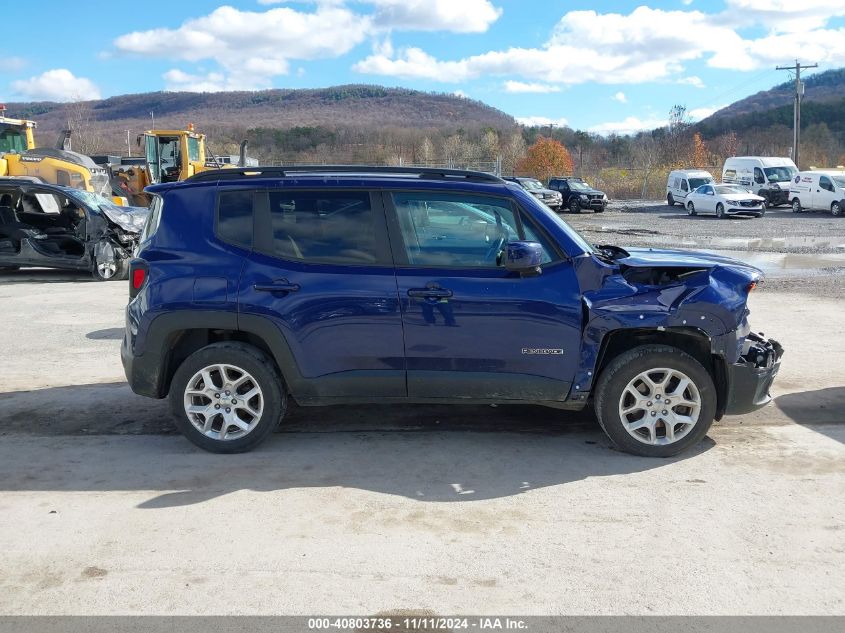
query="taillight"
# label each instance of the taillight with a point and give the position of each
(138, 272)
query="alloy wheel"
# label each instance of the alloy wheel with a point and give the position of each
(223, 402)
(660, 406)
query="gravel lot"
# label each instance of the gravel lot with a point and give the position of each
(447, 510)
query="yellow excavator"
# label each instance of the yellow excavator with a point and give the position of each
(20, 157)
(168, 155)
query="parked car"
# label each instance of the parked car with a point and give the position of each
(551, 199)
(62, 227)
(682, 182)
(578, 195)
(765, 176)
(725, 200)
(256, 287)
(818, 191)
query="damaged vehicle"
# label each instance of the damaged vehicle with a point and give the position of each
(256, 288)
(53, 226)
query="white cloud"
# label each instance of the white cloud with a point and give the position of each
(535, 121)
(784, 15)
(692, 80)
(252, 47)
(643, 46)
(620, 97)
(457, 16)
(461, 94)
(696, 114)
(534, 87)
(630, 125)
(58, 84)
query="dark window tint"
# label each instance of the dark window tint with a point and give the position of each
(330, 227)
(234, 217)
(825, 183)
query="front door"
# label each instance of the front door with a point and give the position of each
(321, 272)
(472, 329)
(824, 193)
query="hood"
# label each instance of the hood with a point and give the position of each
(672, 258)
(742, 196)
(130, 219)
(589, 192)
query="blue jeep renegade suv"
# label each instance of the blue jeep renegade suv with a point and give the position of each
(327, 285)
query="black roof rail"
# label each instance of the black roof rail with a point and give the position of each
(425, 173)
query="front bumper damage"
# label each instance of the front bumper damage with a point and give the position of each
(750, 378)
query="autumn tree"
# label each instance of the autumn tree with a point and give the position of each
(546, 158)
(86, 135)
(513, 152)
(700, 153)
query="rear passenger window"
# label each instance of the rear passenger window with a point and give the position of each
(328, 227)
(234, 217)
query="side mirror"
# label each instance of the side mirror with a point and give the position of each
(524, 257)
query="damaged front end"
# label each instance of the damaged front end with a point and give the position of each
(696, 301)
(750, 378)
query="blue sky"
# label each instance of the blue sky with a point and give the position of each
(600, 65)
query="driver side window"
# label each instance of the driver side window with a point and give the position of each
(758, 176)
(456, 230)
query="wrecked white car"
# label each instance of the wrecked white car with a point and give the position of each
(53, 226)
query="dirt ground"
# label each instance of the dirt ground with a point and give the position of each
(521, 510)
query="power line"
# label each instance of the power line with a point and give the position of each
(796, 114)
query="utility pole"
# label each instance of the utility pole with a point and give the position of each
(796, 114)
(128, 144)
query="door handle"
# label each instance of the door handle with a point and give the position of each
(429, 293)
(279, 285)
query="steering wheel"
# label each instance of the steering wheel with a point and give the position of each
(493, 252)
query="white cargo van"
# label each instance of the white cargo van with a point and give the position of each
(766, 176)
(818, 191)
(682, 182)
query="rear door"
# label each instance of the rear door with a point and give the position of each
(473, 329)
(321, 272)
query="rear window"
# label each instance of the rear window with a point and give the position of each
(234, 217)
(328, 227)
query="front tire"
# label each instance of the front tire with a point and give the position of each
(691, 209)
(655, 401)
(227, 397)
(574, 206)
(836, 209)
(720, 211)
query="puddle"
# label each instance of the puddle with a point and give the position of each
(767, 243)
(789, 264)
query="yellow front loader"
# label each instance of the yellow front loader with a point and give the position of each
(168, 155)
(20, 157)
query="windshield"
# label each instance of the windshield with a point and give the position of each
(731, 189)
(531, 184)
(12, 139)
(780, 174)
(839, 180)
(577, 185)
(695, 183)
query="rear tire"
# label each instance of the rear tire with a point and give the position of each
(670, 200)
(649, 435)
(260, 413)
(836, 209)
(796, 205)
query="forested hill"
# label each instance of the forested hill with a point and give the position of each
(824, 103)
(360, 106)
